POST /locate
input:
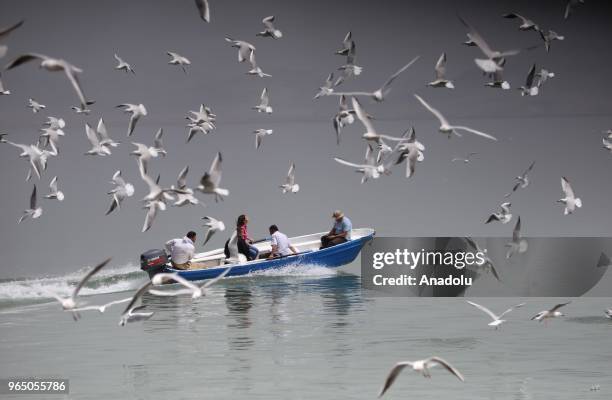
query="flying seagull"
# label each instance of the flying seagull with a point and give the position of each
(548, 38)
(369, 170)
(177, 59)
(53, 64)
(412, 151)
(346, 45)
(101, 308)
(522, 180)
(213, 225)
(270, 30)
(370, 134)
(83, 109)
(185, 196)
(504, 216)
(518, 244)
(255, 69)
(36, 157)
(419, 366)
(54, 192)
(327, 87)
(189, 288)
(260, 134)
(35, 106)
(264, 103)
(446, 127)
(34, 212)
(548, 314)
(120, 192)
(544, 75)
(497, 319)
(342, 118)
(122, 65)
(203, 9)
(441, 80)
(498, 79)
(526, 23)
(97, 148)
(245, 49)
(531, 87)
(137, 111)
(211, 180)
(570, 200)
(349, 69)
(133, 313)
(144, 154)
(380, 93)
(487, 265)
(290, 186)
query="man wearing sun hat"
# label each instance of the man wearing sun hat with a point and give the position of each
(340, 232)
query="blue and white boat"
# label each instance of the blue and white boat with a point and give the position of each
(212, 263)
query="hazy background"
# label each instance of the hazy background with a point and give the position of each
(560, 129)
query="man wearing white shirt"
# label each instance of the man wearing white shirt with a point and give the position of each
(280, 243)
(182, 250)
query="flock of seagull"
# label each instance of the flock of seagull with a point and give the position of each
(380, 156)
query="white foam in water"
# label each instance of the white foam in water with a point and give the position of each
(109, 280)
(297, 270)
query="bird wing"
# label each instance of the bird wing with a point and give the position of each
(91, 135)
(485, 310)
(150, 217)
(114, 204)
(395, 371)
(268, 22)
(350, 164)
(75, 84)
(33, 199)
(4, 32)
(53, 185)
(181, 181)
(142, 290)
(441, 66)
(177, 278)
(112, 303)
(567, 188)
(215, 169)
(209, 234)
(558, 306)
(511, 308)
(24, 58)
(529, 168)
(516, 233)
(203, 9)
(432, 110)
(362, 115)
(101, 129)
(157, 141)
(476, 38)
(291, 175)
(89, 275)
(468, 129)
(515, 15)
(386, 85)
(265, 100)
(119, 60)
(343, 105)
(530, 76)
(437, 360)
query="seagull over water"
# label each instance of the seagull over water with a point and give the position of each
(34, 211)
(122, 65)
(211, 180)
(270, 30)
(446, 127)
(54, 193)
(497, 319)
(570, 200)
(177, 59)
(137, 111)
(120, 192)
(53, 65)
(380, 93)
(290, 186)
(544, 316)
(518, 244)
(522, 180)
(195, 290)
(213, 225)
(35, 106)
(264, 103)
(133, 313)
(504, 216)
(419, 366)
(441, 80)
(103, 307)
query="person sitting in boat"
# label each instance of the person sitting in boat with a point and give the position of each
(280, 243)
(340, 232)
(182, 250)
(244, 241)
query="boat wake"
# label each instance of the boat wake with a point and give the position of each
(25, 291)
(297, 270)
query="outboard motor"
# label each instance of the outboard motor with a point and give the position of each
(153, 261)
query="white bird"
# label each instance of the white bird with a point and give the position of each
(570, 200)
(156, 192)
(544, 75)
(487, 265)
(260, 134)
(497, 319)
(204, 115)
(498, 79)
(35, 106)
(518, 244)
(97, 148)
(504, 216)
(34, 212)
(446, 127)
(120, 192)
(101, 308)
(346, 44)
(255, 69)
(52, 135)
(548, 37)
(290, 186)
(380, 93)
(83, 109)
(144, 154)
(327, 87)
(526, 23)
(607, 145)
(69, 303)
(264, 103)
(370, 133)
(349, 69)
(235, 257)
(609, 313)
(104, 138)
(370, 170)
(608, 133)
(411, 151)
(152, 208)
(190, 288)
(186, 195)
(55, 123)
(36, 157)
(465, 159)
(270, 30)
(548, 314)
(54, 193)
(178, 59)
(245, 49)
(2, 139)
(158, 144)
(420, 366)
(441, 80)
(531, 87)
(213, 225)
(194, 128)
(203, 9)
(3, 91)
(211, 180)
(4, 32)
(133, 313)
(137, 111)
(342, 118)
(53, 64)
(522, 180)
(122, 65)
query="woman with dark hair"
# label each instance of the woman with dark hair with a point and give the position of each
(244, 241)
